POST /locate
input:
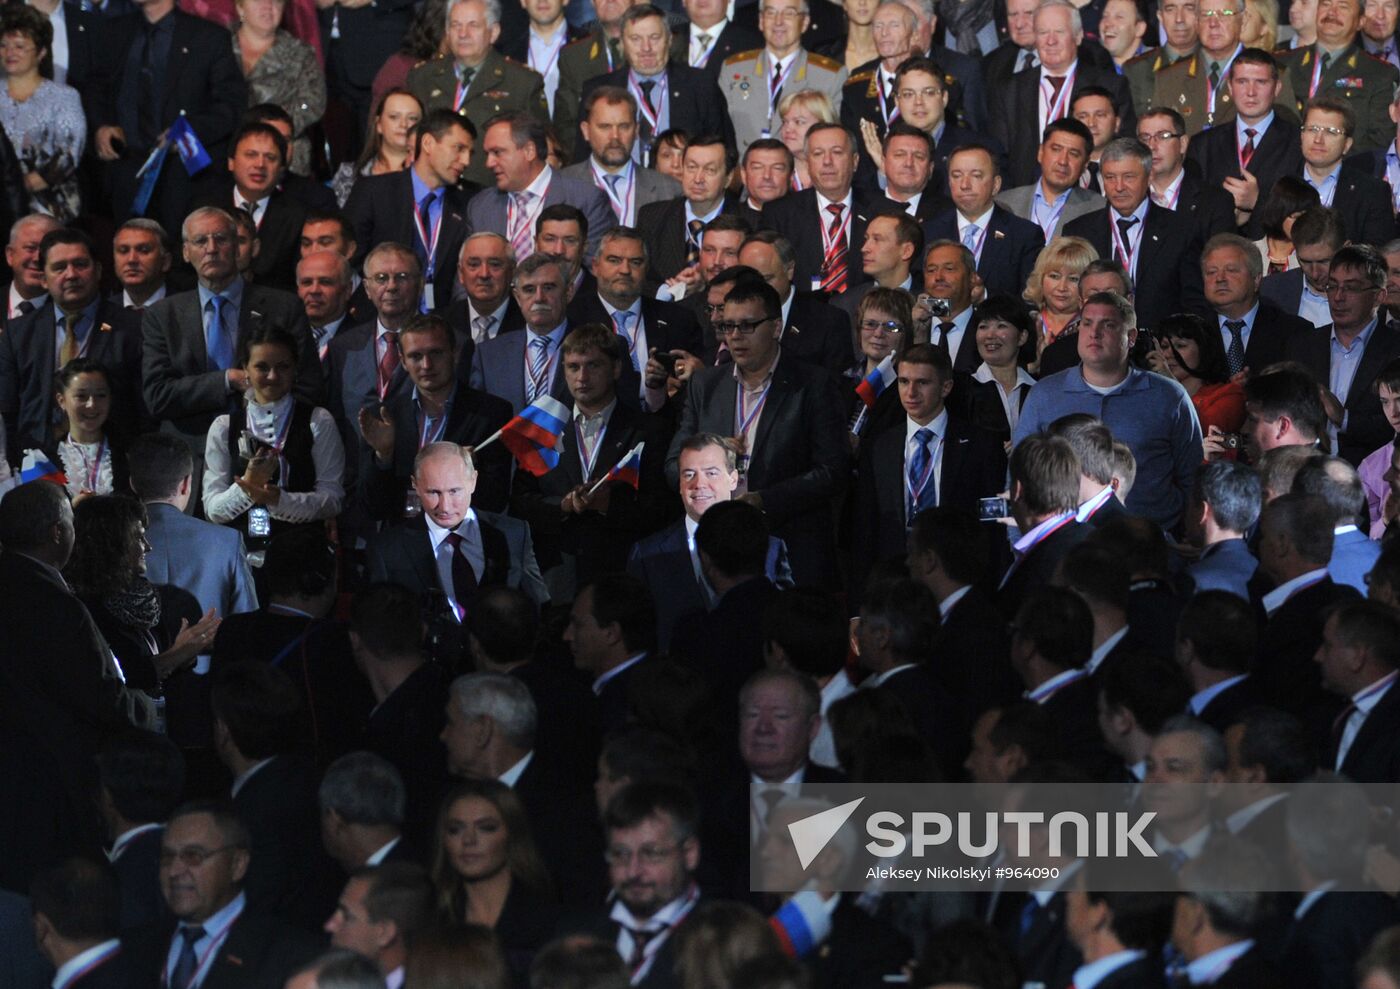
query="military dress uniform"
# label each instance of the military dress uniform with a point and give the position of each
(1140, 71)
(745, 80)
(1364, 81)
(581, 60)
(1184, 87)
(497, 86)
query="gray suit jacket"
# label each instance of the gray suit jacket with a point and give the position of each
(200, 557)
(1080, 202)
(487, 209)
(652, 186)
(498, 367)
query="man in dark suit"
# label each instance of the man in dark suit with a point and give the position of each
(1317, 237)
(140, 778)
(310, 194)
(788, 418)
(439, 407)
(1339, 64)
(331, 230)
(779, 715)
(611, 632)
(163, 64)
(1224, 506)
(1356, 424)
(668, 561)
(675, 225)
(1044, 492)
(1003, 245)
(1268, 752)
(1019, 112)
(826, 223)
(1157, 246)
(868, 95)
(258, 154)
(1216, 640)
(1360, 655)
(525, 185)
(672, 96)
(205, 855)
(581, 533)
(141, 261)
(422, 206)
(924, 97)
(361, 799)
(520, 367)
(911, 170)
(1120, 933)
(1217, 932)
(1248, 155)
(75, 322)
(484, 271)
(26, 290)
(930, 458)
(1176, 187)
(192, 340)
(1254, 331)
(709, 37)
(1329, 130)
(813, 331)
(324, 286)
(75, 907)
(948, 268)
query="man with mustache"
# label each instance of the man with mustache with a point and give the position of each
(520, 367)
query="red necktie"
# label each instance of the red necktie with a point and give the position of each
(834, 264)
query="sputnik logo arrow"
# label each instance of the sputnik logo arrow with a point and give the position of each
(811, 834)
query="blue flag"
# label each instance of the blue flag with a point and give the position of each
(187, 146)
(149, 176)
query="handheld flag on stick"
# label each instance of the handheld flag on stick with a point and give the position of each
(876, 381)
(188, 146)
(628, 470)
(38, 467)
(533, 435)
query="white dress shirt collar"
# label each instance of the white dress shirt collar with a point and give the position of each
(248, 774)
(630, 662)
(946, 606)
(156, 296)
(1275, 598)
(512, 775)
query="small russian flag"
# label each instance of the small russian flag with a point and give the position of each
(38, 467)
(628, 470)
(876, 382)
(534, 434)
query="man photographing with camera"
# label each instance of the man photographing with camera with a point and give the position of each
(943, 315)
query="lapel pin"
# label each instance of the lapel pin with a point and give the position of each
(997, 235)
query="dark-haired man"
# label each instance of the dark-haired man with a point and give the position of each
(812, 331)
(674, 226)
(139, 778)
(1216, 639)
(77, 927)
(1175, 187)
(611, 630)
(1056, 197)
(609, 128)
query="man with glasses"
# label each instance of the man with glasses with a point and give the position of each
(1338, 64)
(755, 82)
(1175, 188)
(785, 418)
(1317, 236)
(923, 98)
(190, 367)
(1363, 202)
(1346, 357)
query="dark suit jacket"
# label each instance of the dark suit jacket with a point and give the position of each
(1144, 973)
(138, 878)
(261, 952)
(937, 715)
(405, 729)
(27, 374)
(1374, 755)
(368, 36)
(799, 460)
(1225, 707)
(860, 953)
(279, 234)
(1014, 112)
(733, 39)
(818, 333)
(668, 327)
(1009, 249)
(1168, 276)
(1274, 327)
(1364, 205)
(278, 804)
(1038, 567)
(1367, 427)
(1284, 290)
(563, 816)
(664, 224)
(1278, 153)
(1210, 206)
(973, 467)
(1288, 677)
(1044, 949)
(795, 216)
(972, 655)
(696, 104)
(725, 646)
(1249, 971)
(474, 416)
(1321, 949)
(381, 209)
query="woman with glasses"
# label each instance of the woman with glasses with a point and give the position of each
(488, 872)
(884, 323)
(43, 119)
(1053, 287)
(799, 111)
(1192, 352)
(1002, 327)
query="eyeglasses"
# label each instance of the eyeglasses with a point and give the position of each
(888, 325)
(1316, 129)
(791, 16)
(928, 93)
(646, 855)
(743, 328)
(398, 277)
(1212, 14)
(18, 47)
(204, 241)
(192, 856)
(713, 311)
(1161, 135)
(1349, 288)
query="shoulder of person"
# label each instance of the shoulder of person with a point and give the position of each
(860, 78)
(824, 62)
(1148, 58)
(748, 56)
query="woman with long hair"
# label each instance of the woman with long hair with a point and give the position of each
(1192, 352)
(389, 146)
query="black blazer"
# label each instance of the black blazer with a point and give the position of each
(1014, 112)
(697, 105)
(1284, 290)
(1367, 427)
(278, 804)
(1211, 207)
(669, 327)
(972, 655)
(1037, 568)
(563, 816)
(974, 466)
(795, 216)
(405, 729)
(1009, 249)
(725, 647)
(1045, 951)
(137, 870)
(261, 952)
(1273, 329)
(800, 458)
(1279, 153)
(664, 226)
(381, 209)
(1226, 707)
(937, 715)
(1250, 970)
(733, 39)
(818, 333)
(1321, 949)
(279, 234)
(368, 36)
(1144, 973)
(474, 416)
(1364, 205)
(1287, 676)
(1374, 756)
(1168, 269)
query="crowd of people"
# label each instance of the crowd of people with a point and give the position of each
(468, 470)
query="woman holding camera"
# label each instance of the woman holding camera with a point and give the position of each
(1192, 353)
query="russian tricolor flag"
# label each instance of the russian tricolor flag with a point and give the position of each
(534, 434)
(876, 382)
(38, 467)
(629, 469)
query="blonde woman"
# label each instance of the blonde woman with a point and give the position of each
(799, 111)
(1053, 287)
(1260, 28)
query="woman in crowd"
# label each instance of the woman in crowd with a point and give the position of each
(1290, 198)
(422, 43)
(487, 871)
(668, 153)
(91, 462)
(276, 454)
(1053, 287)
(1192, 352)
(152, 630)
(43, 119)
(858, 46)
(799, 111)
(389, 147)
(281, 70)
(1002, 328)
(884, 321)
(1260, 27)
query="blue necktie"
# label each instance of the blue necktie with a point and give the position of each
(622, 319)
(187, 962)
(220, 339)
(918, 464)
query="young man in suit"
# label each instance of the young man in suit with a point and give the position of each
(1317, 237)
(609, 131)
(520, 367)
(931, 458)
(258, 154)
(788, 420)
(611, 632)
(1119, 934)
(139, 778)
(812, 331)
(1224, 506)
(381, 908)
(421, 206)
(540, 47)
(922, 95)
(76, 924)
(1216, 639)
(1056, 197)
(1359, 656)
(1044, 493)
(1363, 201)
(1268, 752)
(1173, 186)
(675, 225)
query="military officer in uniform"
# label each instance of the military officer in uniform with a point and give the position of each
(755, 82)
(1339, 66)
(597, 53)
(477, 81)
(1178, 18)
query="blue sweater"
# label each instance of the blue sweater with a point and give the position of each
(1149, 412)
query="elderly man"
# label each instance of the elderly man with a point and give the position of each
(324, 285)
(485, 269)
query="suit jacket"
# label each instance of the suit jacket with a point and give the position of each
(1288, 677)
(564, 822)
(1367, 427)
(21, 964)
(1037, 568)
(278, 805)
(1183, 85)
(137, 870)
(664, 223)
(937, 715)
(405, 729)
(733, 39)
(972, 655)
(1143, 973)
(27, 364)
(651, 185)
(458, 316)
(1014, 114)
(1225, 566)
(1250, 970)
(800, 455)
(498, 368)
(1279, 153)
(668, 327)
(1274, 327)
(1211, 207)
(1225, 707)
(1365, 82)
(1021, 201)
(1374, 755)
(205, 559)
(795, 216)
(581, 60)
(1284, 290)
(279, 234)
(1009, 248)
(1168, 278)
(1322, 947)
(695, 105)
(973, 467)
(381, 209)
(1364, 205)
(725, 646)
(1043, 947)
(368, 36)
(488, 208)
(260, 952)
(178, 384)
(861, 952)
(818, 333)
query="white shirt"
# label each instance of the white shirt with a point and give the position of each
(127, 837)
(37, 302)
(697, 50)
(823, 747)
(1241, 818)
(946, 606)
(939, 426)
(981, 222)
(259, 206)
(243, 778)
(1090, 975)
(957, 334)
(512, 775)
(1105, 647)
(1213, 964)
(1363, 701)
(1010, 403)
(1202, 698)
(1047, 689)
(394, 980)
(442, 556)
(1309, 899)
(73, 966)
(1275, 598)
(215, 925)
(1313, 307)
(156, 296)
(628, 663)
(879, 679)
(543, 56)
(473, 314)
(59, 49)
(1170, 197)
(1191, 847)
